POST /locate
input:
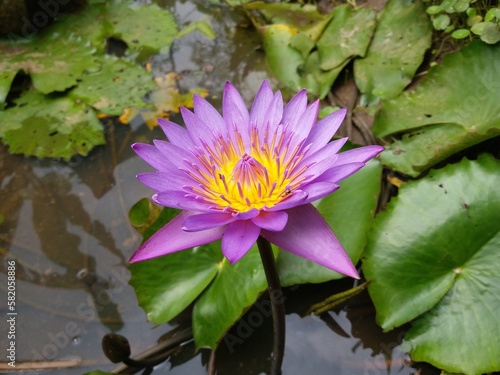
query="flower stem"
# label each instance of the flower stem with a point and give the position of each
(277, 303)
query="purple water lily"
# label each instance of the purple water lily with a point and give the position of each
(245, 174)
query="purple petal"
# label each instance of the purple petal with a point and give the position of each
(360, 154)
(234, 111)
(195, 223)
(246, 215)
(151, 155)
(340, 172)
(176, 134)
(175, 154)
(319, 190)
(273, 221)
(197, 128)
(238, 238)
(162, 181)
(171, 238)
(306, 122)
(209, 115)
(323, 131)
(294, 110)
(260, 104)
(273, 116)
(297, 198)
(308, 235)
(181, 199)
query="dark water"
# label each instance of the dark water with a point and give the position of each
(66, 226)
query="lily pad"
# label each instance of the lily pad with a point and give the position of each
(142, 27)
(402, 36)
(349, 211)
(433, 255)
(347, 35)
(459, 98)
(50, 127)
(235, 288)
(221, 292)
(118, 84)
(55, 62)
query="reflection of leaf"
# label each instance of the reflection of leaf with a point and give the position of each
(45, 127)
(402, 36)
(118, 84)
(349, 211)
(459, 98)
(434, 255)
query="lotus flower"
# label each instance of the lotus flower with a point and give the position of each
(247, 174)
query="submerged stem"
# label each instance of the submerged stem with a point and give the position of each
(277, 303)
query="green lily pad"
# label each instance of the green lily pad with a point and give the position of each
(276, 40)
(235, 288)
(165, 286)
(347, 35)
(117, 85)
(459, 98)
(433, 255)
(221, 292)
(55, 62)
(349, 211)
(402, 36)
(50, 127)
(142, 27)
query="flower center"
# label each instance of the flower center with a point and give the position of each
(237, 178)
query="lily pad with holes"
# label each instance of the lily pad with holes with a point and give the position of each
(117, 85)
(55, 62)
(50, 127)
(146, 27)
(433, 256)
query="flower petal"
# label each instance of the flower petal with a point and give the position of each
(318, 190)
(297, 198)
(340, 172)
(306, 122)
(171, 238)
(273, 221)
(294, 110)
(176, 134)
(246, 215)
(260, 104)
(360, 154)
(151, 155)
(209, 115)
(197, 128)
(272, 118)
(195, 223)
(163, 181)
(174, 153)
(181, 199)
(238, 238)
(308, 235)
(323, 131)
(235, 112)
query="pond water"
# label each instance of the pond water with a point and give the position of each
(66, 226)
